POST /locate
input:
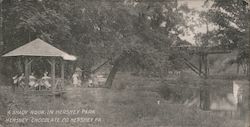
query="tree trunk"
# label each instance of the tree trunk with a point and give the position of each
(204, 96)
(111, 76)
(200, 65)
(118, 62)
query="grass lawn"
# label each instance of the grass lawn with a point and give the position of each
(128, 107)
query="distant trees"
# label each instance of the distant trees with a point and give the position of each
(231, 19)
(26, 20)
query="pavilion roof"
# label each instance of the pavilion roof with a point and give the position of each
(39, 47)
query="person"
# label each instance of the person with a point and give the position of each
(21, 80)
(32, 80)
(15, 82)
(45, 80)
(18, 80)
(79, 77)
(79, 81)
(90, 80)
(75, 78)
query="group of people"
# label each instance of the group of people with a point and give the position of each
(44, 82)
(33, 81)
(77, 78)
(18, 80)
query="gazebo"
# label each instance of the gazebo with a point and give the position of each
(39, 48)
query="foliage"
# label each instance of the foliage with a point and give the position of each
(231, 21)
(231, 29)
(97, 30)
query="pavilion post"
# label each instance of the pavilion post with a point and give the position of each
(206, 65)
(29, 67)
(62, 73)
(53, 66)
(26, 71)
(200, 64)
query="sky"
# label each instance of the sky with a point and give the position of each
(197, 5)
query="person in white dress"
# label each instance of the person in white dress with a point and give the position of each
(45, 80)
(32, 81)
(79, 77)
(21, 80)
(75, 78)
(15, 80)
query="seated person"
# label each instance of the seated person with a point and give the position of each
(15, 80)
(21, 80)
(45, 80)
(32, 80)
(18, 80)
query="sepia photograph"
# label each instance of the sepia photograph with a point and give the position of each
(124, 63)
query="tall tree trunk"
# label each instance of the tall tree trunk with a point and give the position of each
(204, 95)
(117, 64)
(111, 76)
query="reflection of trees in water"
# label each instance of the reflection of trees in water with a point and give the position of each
(204, 95)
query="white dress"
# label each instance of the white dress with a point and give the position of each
(45, 80)
(75, 79)
(15, 79)
(21, 80)
(32, 81)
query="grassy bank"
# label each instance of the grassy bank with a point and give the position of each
(136, 105)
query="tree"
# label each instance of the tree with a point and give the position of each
(231, 19)
(152, 30)
(131, 34)
(26, 20)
